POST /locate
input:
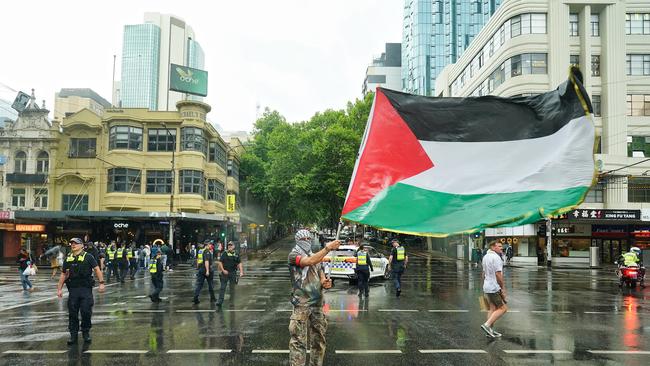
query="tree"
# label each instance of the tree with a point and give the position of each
(303, 169)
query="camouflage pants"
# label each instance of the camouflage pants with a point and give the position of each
(304, 320)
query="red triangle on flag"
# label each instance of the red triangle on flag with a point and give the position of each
(391, 154)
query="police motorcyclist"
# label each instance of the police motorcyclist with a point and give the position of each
(633, 258)
(77, 275)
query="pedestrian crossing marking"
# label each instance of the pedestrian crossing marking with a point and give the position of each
(452, 351)
(368, 351)
(541, 351)
(605, 352)
(199, 351)
(448, 311)
(117, 351)
(31, 352)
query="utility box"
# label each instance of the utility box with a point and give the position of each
(594, 257)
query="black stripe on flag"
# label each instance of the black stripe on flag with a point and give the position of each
(489, 118)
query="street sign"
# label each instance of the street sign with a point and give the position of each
(188, 80)
(230, 203)
(592, 214)
(20, 102)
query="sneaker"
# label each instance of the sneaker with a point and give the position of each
(487, 330)
(398, 292)
(495, 333)
(196, 301)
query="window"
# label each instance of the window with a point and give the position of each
(595, 103)
(637, 64)
(160, 139)
(125, 137)
(124, 180)
(595, 25)
(75, 202)
(43, 162)
(574, 60)
(40, 197)
(216, 190)
(159, 181)
(82, 148)
(515, 61)
(637, 23)
(233, 169)
(20, 164)
(538, 63)
(18, 197)
(573, 25)
(515, 26)
(638, 189)
(538, 23)
(638, 146)
(596, 194)
(638, 105)
(193, 139)
(217, 154)
(191, 181)
(595, 65)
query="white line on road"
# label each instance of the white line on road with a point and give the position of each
(549, 312)
(31, 352)
(146, 311)
(398, 310)
(342, 311)
(195, 311)
(452, 351)
(448, 311)
(199, 351)
(117, 351)
(541, 351)
(270, 351)
(368, 351)
(606, 352)
(244, 310)
(285, 310)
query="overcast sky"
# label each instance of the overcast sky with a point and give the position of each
(295, 56)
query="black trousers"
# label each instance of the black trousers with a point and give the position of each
(157, 287)
(112, 268)
(133, 268)
(124, 267)
(363, 277)
(230, 278)
(80, 299)
(200, 278)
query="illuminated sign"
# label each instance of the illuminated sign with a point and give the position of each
(30, 228)
(230, 203)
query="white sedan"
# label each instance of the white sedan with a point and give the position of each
(343, 263)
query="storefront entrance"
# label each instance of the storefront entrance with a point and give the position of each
(610, 249)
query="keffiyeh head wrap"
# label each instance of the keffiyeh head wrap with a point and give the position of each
(303, 240)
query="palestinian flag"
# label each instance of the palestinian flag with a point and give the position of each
(439, 166)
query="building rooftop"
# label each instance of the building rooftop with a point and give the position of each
(83, 93)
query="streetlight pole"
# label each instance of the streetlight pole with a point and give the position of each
(171, 196)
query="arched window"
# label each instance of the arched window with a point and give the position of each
(21, 162)
(43, 162)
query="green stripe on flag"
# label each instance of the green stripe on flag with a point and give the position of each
(409, 209)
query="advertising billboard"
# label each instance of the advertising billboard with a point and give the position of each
(188, 80)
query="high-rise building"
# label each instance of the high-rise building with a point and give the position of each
(526, 48)
(148, 51)
(385, 70)
(72, 100)
(435, 34)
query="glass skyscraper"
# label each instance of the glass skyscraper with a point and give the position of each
(148, 51)
(140, 59)
(435, 34)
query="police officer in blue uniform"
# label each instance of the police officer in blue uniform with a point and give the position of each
(156, 272)
(77, 274)
(364, 267)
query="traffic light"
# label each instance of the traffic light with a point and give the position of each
(223, 235)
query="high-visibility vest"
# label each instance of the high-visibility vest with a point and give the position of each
(153, 267)
(362, 259)
(79, 258)
(199, 257)
(129, 254)
(630, 258)
(119, 253)
(231, 254)
(111, 253)
(401, 253)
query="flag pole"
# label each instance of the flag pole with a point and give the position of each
(338, 230)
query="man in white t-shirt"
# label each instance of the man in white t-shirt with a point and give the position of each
(494, 288)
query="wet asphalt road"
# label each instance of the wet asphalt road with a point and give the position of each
(564, 317)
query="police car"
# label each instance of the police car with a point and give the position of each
(343, 262)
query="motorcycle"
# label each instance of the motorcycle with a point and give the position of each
(629, 276)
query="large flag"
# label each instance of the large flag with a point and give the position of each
(439, 166)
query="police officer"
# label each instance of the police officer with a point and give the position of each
(228, 264)
(122, 261)
(205, 272)
(364, 267)
(77, 275)
(156, 272)
(397, 262)
(132, 257)
(111, 256)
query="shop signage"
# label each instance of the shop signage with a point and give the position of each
(188, 80)
(589, 214)
(7, 226)
(645, 214)
(230, 203)
(30, 228)
(7, 215)
(121, 225)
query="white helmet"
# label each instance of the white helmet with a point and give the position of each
(635, 250)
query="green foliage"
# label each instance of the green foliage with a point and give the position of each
(303, 169)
